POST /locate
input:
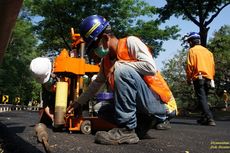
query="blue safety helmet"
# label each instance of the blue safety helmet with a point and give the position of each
(193, 35)
(91, 27)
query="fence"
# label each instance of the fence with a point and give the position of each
(10, 107)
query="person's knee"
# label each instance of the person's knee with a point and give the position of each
(124, 71)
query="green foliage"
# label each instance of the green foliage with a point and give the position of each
(200, 12)
(150, 33)
(174, 72)
(15, 77)
(60, 15)
(220, 45)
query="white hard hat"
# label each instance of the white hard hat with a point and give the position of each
(41, 69)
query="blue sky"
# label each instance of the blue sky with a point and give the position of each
(172, 46)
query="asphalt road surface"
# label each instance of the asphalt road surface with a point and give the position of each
(17, 135)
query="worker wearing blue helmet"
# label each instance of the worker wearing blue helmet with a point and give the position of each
(200, 71)
(92, 27)
(125, 64)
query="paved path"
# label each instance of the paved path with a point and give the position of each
(17, 136)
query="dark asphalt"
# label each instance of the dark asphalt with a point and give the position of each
(17, 136)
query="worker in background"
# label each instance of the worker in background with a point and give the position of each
(129, 69)
(225, 98)
(41, 68)
(200, 71)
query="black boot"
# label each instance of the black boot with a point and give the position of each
(116, 136)
(144, 124)
(206, 121)
(163, 125)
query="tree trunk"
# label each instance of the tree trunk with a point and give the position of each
(203, 35)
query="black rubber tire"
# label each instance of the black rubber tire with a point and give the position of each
(86, 127)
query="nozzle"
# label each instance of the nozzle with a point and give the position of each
(42, 136)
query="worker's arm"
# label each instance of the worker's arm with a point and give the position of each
(92, 89)
(213, 63)
(48, 113)
(145, 64)
(189, 67)
(90, 92)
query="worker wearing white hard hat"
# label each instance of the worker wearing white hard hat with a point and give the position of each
(226, 98)
(41, 68)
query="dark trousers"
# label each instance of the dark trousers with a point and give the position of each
(201, 87)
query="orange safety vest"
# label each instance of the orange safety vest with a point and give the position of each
(156, 83)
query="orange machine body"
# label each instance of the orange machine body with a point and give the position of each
(72, 69)
(77, 66)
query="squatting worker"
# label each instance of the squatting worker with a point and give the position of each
(200, 71)
(41, 68)
(129, 69)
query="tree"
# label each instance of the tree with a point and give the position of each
(154, 37)
(124, 16)
(220, 45)
(15, 77)
(200, 12)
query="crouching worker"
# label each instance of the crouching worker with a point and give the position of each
(41, 68)
(140, 93)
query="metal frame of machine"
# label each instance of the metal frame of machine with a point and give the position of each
(70, 68)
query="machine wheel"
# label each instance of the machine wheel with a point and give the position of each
(86, 127)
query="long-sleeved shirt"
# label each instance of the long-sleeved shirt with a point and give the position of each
(145, 65)
(200, 59)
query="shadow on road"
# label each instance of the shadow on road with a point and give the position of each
(11, 143)
(183, 122)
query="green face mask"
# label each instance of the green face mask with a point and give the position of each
(101, 52)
